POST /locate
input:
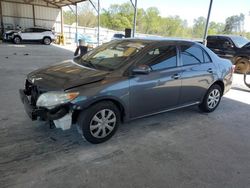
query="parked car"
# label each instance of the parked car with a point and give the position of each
(118, 36)
(123, 80)
(234, 48)
(46, 36)
(7, 36)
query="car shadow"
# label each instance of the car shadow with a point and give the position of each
(240, 89)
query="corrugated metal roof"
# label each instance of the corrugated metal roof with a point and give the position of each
(60, 3)
(49, 3)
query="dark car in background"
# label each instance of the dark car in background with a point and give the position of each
(118, 36)
(124, 80)
(232, 47)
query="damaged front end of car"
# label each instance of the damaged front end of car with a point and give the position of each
(53, 106)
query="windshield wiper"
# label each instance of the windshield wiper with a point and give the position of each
(89, 63)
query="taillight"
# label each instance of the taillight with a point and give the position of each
(232, 69)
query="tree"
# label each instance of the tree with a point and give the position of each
(152, 20)
(117, 17)
(215, 28)
(199, 27)
(69, 17)
(86, 16)
(234, 24)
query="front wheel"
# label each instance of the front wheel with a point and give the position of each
(99, 122)
(46, 41)
(211, 99)
(17, 40)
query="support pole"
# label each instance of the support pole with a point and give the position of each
(62, 27)
(76, 36)
(98, 12)
(34, 15)
(62, 22)
(135, 15)
(98, 19)
(1, 18)
(207, 23)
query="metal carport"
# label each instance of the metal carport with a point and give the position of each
(36, 10)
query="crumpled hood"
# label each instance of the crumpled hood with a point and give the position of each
(65, 75)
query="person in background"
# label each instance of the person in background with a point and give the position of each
(82, 47)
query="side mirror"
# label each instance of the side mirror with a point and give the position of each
(142, 69)
(228, 45)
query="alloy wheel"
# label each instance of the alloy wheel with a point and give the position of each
(46, 41)
(102, 123)
(213, 98)
(17, 40)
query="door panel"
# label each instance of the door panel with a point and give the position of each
(160, 89)
(198, 73)
(30, 34)
(154, 92)
(196, 79)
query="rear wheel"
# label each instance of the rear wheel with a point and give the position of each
(211, 99)
(17, 40)
(46, 41)
(242, 65)
(99, 122)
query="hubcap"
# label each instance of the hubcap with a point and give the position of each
(17, 40)
(102, 123)
(213, 98)
(46, 41)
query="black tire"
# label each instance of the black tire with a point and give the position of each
(17, 40)
(206, 106)
(47, 40)
(86, 120)
(242, 65)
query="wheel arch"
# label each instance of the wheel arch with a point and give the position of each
(18, 37)
(118, 103)
(221, 84)
(218, 82)
(239, 57)
(47, 37)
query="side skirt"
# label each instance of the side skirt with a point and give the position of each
(170, 109)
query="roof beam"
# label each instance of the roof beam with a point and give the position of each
(52, 3)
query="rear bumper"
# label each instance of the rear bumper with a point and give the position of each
(34, 113)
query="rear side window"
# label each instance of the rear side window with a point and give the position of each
(207, 59)
(29, 30)
(161, 58)
(212, 42)
(192, 54)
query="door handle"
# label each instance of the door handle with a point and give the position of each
(210, 70)
(176, 76)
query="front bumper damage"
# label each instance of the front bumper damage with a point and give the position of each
(60, 115)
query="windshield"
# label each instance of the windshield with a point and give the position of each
(112, 55)
(239, 41)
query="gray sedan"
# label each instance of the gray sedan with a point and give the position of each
(124, 80)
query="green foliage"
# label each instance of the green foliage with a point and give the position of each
(86, 16)
(149, 21)
(69, 17)
(117, 17)
(234, 24)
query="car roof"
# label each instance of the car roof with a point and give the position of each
(159, 39)
(228, 36)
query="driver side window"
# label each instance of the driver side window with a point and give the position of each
(161, 58)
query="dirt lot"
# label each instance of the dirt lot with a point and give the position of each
(183, 148)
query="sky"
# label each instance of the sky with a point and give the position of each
(191, 9)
